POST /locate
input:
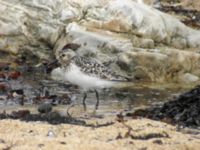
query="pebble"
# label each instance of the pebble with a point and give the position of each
(51, 134)
(44, 108)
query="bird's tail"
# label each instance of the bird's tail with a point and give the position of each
(121, 78)
(122, 84)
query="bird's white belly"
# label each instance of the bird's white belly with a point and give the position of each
(76, 76)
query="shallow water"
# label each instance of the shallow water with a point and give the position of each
(112, 101)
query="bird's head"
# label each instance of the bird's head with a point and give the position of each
(65, 56)
(67, 52)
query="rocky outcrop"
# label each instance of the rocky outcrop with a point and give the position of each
(133, 38)
(162, 64)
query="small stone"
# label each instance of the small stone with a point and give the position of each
(159, 142)
(51, 134)
(54, 115)
(40, 145)
(45, 108)
(2, 141)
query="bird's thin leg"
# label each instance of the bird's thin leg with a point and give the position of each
(97, 96)
(84, 98)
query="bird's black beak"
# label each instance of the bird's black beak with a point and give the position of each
(52, 65)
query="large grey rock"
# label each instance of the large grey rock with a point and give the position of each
(131, 35)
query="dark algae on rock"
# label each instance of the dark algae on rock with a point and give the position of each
(185, 110)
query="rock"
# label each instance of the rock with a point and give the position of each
(188, 78)
(193, 40)
(36, 25)
(127, 62)
(179, 43)
(95, 40)
(138, 36)
(51, 134)
(143, 43)
(143, 65)
(159, 65)
(133, 17)
(45, 108)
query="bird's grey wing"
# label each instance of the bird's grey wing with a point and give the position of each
(94, 68)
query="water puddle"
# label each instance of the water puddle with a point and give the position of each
(112, 101)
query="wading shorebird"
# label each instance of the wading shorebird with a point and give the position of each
(87, 73)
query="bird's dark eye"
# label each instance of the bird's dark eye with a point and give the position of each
(63, 55)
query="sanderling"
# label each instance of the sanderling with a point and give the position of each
(84, 72)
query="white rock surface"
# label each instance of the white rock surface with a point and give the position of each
(188, 78)
(136, 35)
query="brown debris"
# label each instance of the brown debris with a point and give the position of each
(4, 86)
(149, 136)
(190, 17)
(20, 113)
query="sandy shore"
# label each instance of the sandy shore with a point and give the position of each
(140, 134)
